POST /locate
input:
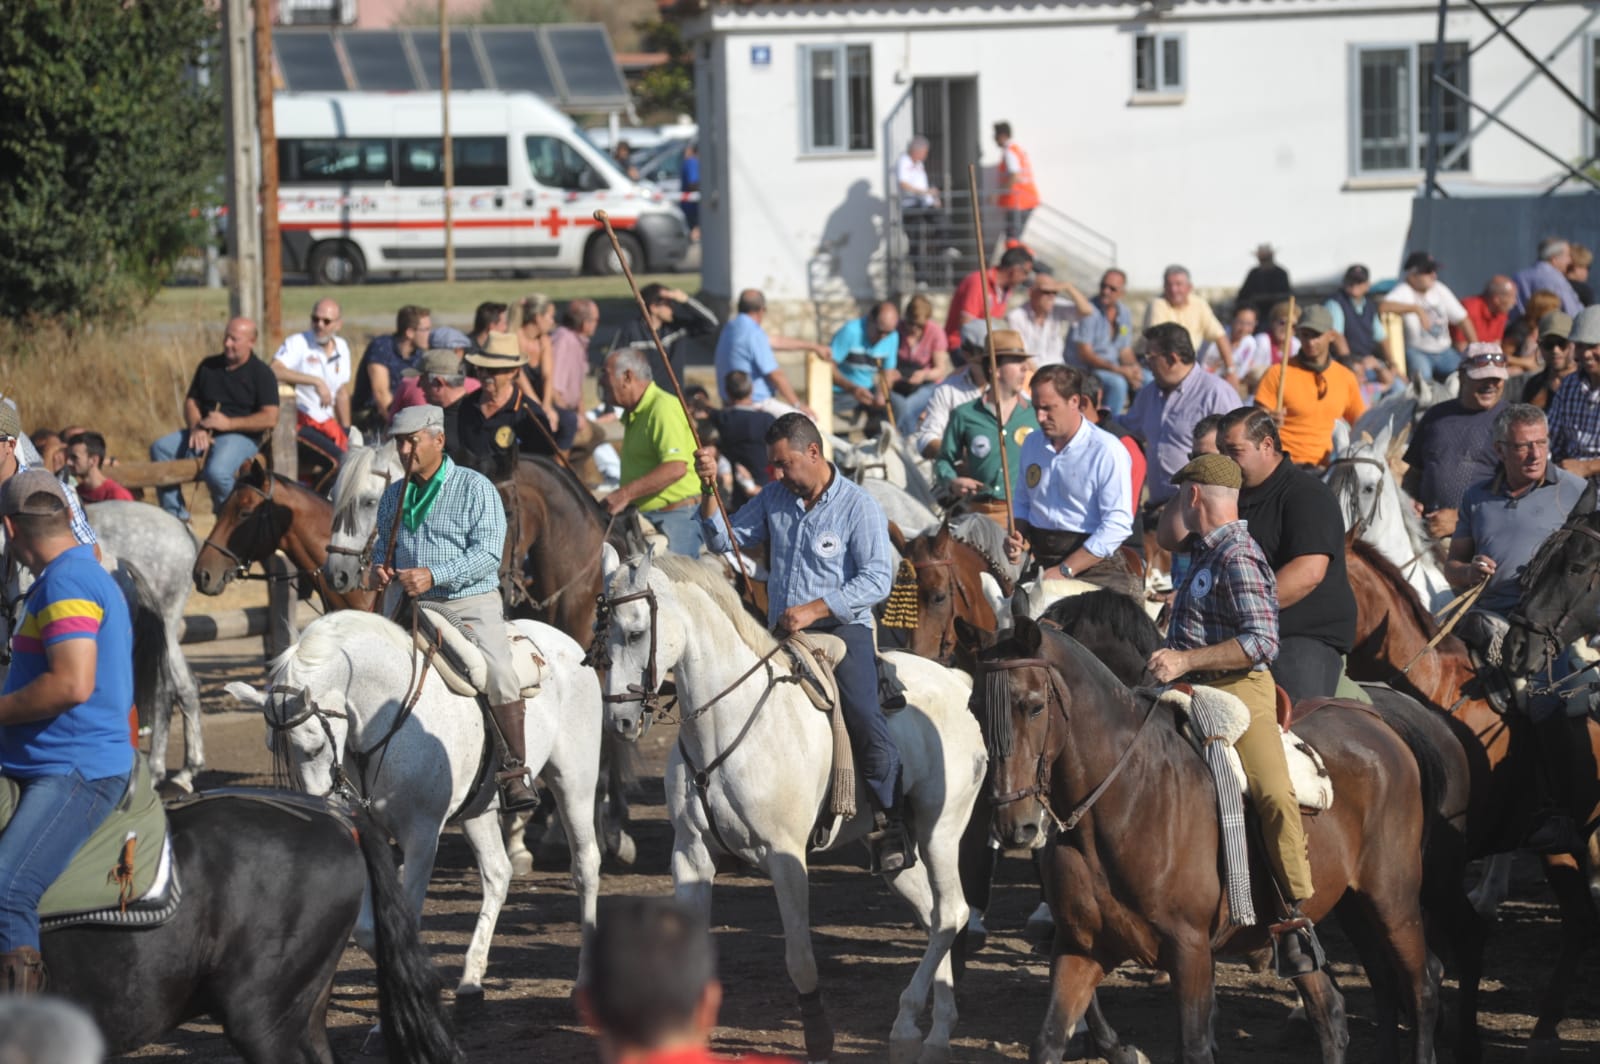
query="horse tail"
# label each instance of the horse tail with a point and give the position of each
(153, 684)
(1430, 762)
(416, 1029)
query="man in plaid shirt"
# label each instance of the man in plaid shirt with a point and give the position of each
(446, 548)
(1224, 634)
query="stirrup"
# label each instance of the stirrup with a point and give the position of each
(1295, 946)
(889, 846)
(517, 791)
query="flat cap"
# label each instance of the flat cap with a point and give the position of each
(10, 421)
(20, 495)
(437, 362)
(415, 419)
(1216, 469)
(1315, 318)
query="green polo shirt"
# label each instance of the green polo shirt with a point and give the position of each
(657, 431)
(969, 447)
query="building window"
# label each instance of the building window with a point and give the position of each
(837, 94)
(1593, 82)
(1390, 104)
(1158, 64)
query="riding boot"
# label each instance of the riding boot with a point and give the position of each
(1299, 952)
(1553, 829)
(890, 842)
(22, 972)
(516, 789)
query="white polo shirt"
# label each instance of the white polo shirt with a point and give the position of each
(300, 354)
(1087, 486)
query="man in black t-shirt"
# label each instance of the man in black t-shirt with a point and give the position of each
(1452, 447)
(1298, 523)
(742, 430)
(232, 401)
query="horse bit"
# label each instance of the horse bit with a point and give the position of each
(241, 568)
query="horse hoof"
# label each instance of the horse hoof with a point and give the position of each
(932, 1054)
(469, 994)
(904, 1050)
(522, 864)
(627, 852)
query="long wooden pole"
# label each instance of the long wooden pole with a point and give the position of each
(1288, 346)
(988, 336)
(644, 312)
(271, 325)
(449, 152)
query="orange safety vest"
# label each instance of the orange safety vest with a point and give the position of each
(1023, 195)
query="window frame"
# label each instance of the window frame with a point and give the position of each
(841, 103)
(1163, 89)
(1416, 115)
(290, 173)
(1591, 92)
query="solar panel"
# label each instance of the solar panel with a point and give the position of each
(378, 61)
(587, 65)
(518, 61)
(464, 70)
(309, 62)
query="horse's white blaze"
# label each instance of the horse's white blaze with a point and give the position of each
(1370, 494)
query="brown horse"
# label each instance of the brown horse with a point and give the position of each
(264, 513)
(1136, 877)
(1392, 634)
(949, 588)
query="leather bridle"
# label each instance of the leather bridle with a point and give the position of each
(1551, 633)
(1364, 520)
(947, 639)
(363, 556)
(599, 654)
(240, 565)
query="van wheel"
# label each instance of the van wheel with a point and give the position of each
(598, 258)
(336, 263)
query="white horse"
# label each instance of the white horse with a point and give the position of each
(1365, 484)
(772, 752)
(889, 457)
(334, 714)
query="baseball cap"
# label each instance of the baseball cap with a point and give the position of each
(437, 363)
(1483, 361)
(1315, 318)
(21, 494)
(415, 419)
(10, 422)
(1421, 262)
(1556, 324)
(1216, 469)
(1586, 327)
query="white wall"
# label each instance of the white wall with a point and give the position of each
(1259, 149)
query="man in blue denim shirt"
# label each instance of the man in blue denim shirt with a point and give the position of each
(830, 563)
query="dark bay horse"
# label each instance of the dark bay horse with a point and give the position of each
(1392, 634)
(949, 588)
(267, 512)
(272, 884)
(1137, 878)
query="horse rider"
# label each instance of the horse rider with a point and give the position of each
(1224, 634)
(830, 563)
(63, 714)
(1502, 523)
(1073, 496)
(1297, 520)
(442, 529)
(14, 458)
(969, 467)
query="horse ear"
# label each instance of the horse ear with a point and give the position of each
(898, 538)
(1028, 636)
(1381, 440)
(609, 564)
(1586, 503)
(969, 634)
(246, 694)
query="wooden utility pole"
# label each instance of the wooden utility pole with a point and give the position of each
(244, 238)
(449, 152)
(271, 248)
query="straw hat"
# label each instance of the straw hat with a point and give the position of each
(500, 352)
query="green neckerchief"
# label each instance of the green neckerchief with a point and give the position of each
(419, 499)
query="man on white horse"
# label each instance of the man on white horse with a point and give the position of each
(830, 563)
(443, 530)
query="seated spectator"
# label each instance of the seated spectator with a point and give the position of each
(1240, 329)
(1429, 351)
(651, 995)
(976, 296)
(744, 345)
(1452, 447)
(317, 362)
(1575, 411)
(1046, 319)
(969, 469)
(1491, 310)
(1260, 351)
(741, 429)
(924, 360)
(962, 386)
(1550, 274)
(1317, 393)
(17, 455)
(232, 402)
(1177, 302)
(1359, 337)
(413, 389)
(866, 352)
(86, 459)
(1521, 339)
(1578, 274)
(1102, 343)
(1555, 328)
(386, 357)
(489, 318)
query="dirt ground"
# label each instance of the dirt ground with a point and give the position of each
(866, 946)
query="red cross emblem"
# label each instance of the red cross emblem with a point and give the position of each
(554, 222)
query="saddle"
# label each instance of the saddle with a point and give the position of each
(461, 664)
(1308, 773)
(124, 875)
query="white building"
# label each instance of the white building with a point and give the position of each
(1183, 131)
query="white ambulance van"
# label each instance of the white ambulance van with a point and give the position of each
(361, 189)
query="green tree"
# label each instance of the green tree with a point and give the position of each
(670, 86)
(111, 150)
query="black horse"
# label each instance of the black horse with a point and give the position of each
(272, 883)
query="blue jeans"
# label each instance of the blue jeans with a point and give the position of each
(681, 527)
(228, 452)
(1436, 367)
(908, 408)
(55, 816)
(857, 675)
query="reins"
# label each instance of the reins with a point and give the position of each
(1461, 605)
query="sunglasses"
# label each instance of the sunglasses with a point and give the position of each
(315, 320)
(1478, 361)
(1111, 288)
(1552, 341)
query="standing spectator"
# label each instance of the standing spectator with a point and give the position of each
(86, 458)
(569, 360)
(232, 401)
(677, 318)
(1453, 445)
(537, 379)
(1578, 274)
(1490, 311)
(742, 430)
(1555, 330)
(975, 290)
(1019, 195)
(919, 205)
(1102, 342)
(924, 360)
(1165, 415)
(964, 385)
(1177, 302)
(385, 359)
(1267, 283)
(1575, 413)
(745, 346)
(689, 189)
(866, 352)
(1046, 319)
(1549, 274)
(657, 453)
(489, 318)
(969, 468)
(317, 362)
(1318, 392)
(1430, 354)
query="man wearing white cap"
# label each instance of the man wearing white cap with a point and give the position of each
(446, 548)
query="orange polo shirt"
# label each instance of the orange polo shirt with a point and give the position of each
(1310, 408)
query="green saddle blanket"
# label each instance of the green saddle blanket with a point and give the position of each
(121, 863)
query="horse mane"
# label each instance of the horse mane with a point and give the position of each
(1391, 574)
(327, 638)
(989, 540)
(1126, 619)
(709, 577)
(625, 535)
(354, 470)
